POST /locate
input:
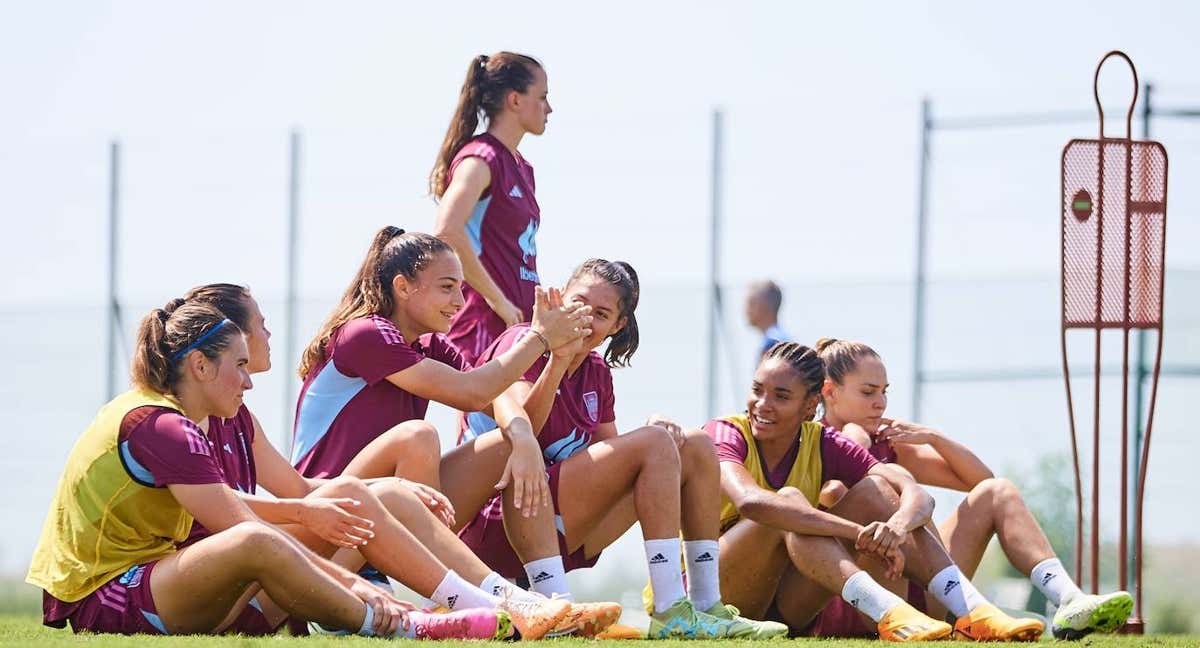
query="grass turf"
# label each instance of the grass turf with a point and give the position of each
(27, 631)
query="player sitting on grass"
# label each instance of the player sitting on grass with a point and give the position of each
(782, 555)
(855, 397)
(107, 558)
(408, 523)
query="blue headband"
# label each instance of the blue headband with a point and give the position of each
(200, 340)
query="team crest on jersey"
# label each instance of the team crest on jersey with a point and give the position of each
(592, 402)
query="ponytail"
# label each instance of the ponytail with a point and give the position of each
(169, 334)
(392, 252)
(624, 343)
(841, 357)
(489, 80)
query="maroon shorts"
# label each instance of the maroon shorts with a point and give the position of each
(486, 537)
(123, 605)
(840, 619)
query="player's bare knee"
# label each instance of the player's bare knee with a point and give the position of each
(997, 491)
(698, 448)
(414, 438)
(346, 486)
(657, 446)
(257, 542)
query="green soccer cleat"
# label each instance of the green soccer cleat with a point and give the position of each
(1087, 613)
(752, 629)
(683, 621)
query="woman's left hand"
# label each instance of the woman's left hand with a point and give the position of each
(434, 500)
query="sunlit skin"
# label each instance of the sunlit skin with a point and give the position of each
(605, 300)
(258, 338)
(426, 303)
(861, 399)
(777, 405)
(214, 386)
(532, 107)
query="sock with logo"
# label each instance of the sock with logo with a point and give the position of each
(1052, 580)
(869, 597)
(457, 594)
(498, 586)
(952, 589)
(368, 621)
(666, 579)
(703, 576)
(547, 576)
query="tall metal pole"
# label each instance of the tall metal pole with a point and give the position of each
(1140, 370)
(112, 310)
(293, 236)
(922, 239)
(714, 275)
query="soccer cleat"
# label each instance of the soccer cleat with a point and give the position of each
(478, 623)
(620, 632)
(683, 621)
(989, 623)
(905, 623)
(753, 629)
(534, 618)
(587, 619)
(1087, 613)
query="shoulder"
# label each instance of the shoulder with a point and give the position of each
(481, 146)
(596, 363)
(369, 329)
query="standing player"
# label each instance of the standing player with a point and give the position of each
(855, 397)
(762, 312)
(781, 553)
(408, 522)
(560, 419)
(138, 477)
(487, 210)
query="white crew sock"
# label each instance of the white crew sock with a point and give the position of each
(368, 620)
(869, 597)
(548, 577)
(457, 594)
(703, 576)
(500, 587)
(952, 589)
(1053, 581)
(666, 579)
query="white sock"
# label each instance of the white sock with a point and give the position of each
(457, 594)
(953, 590)
(547, 576)
(666, 579)
(368, 621)
(500, 587)
(869, 597)
(1053, 581)
(703, 576)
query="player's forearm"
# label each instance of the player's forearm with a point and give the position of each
(969, 467)
(540, 400)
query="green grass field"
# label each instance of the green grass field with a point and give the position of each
(27, 631)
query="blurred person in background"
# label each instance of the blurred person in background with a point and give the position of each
(485, 191)
(762, 312)
(855, 399)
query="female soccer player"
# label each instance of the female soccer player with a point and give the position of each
(486, 206)
(374, 366)
(855, 397)
(597, 484)
(328, 514)
(107, 558)
(780, 552)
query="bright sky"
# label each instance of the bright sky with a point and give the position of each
(821, 104)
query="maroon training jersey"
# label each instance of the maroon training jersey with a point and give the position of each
(880, 449)
(841, 458)
(346, 402)
(232, 442)
(583, 401)
(502, 230)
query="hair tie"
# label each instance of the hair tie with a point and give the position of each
(200, 340)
